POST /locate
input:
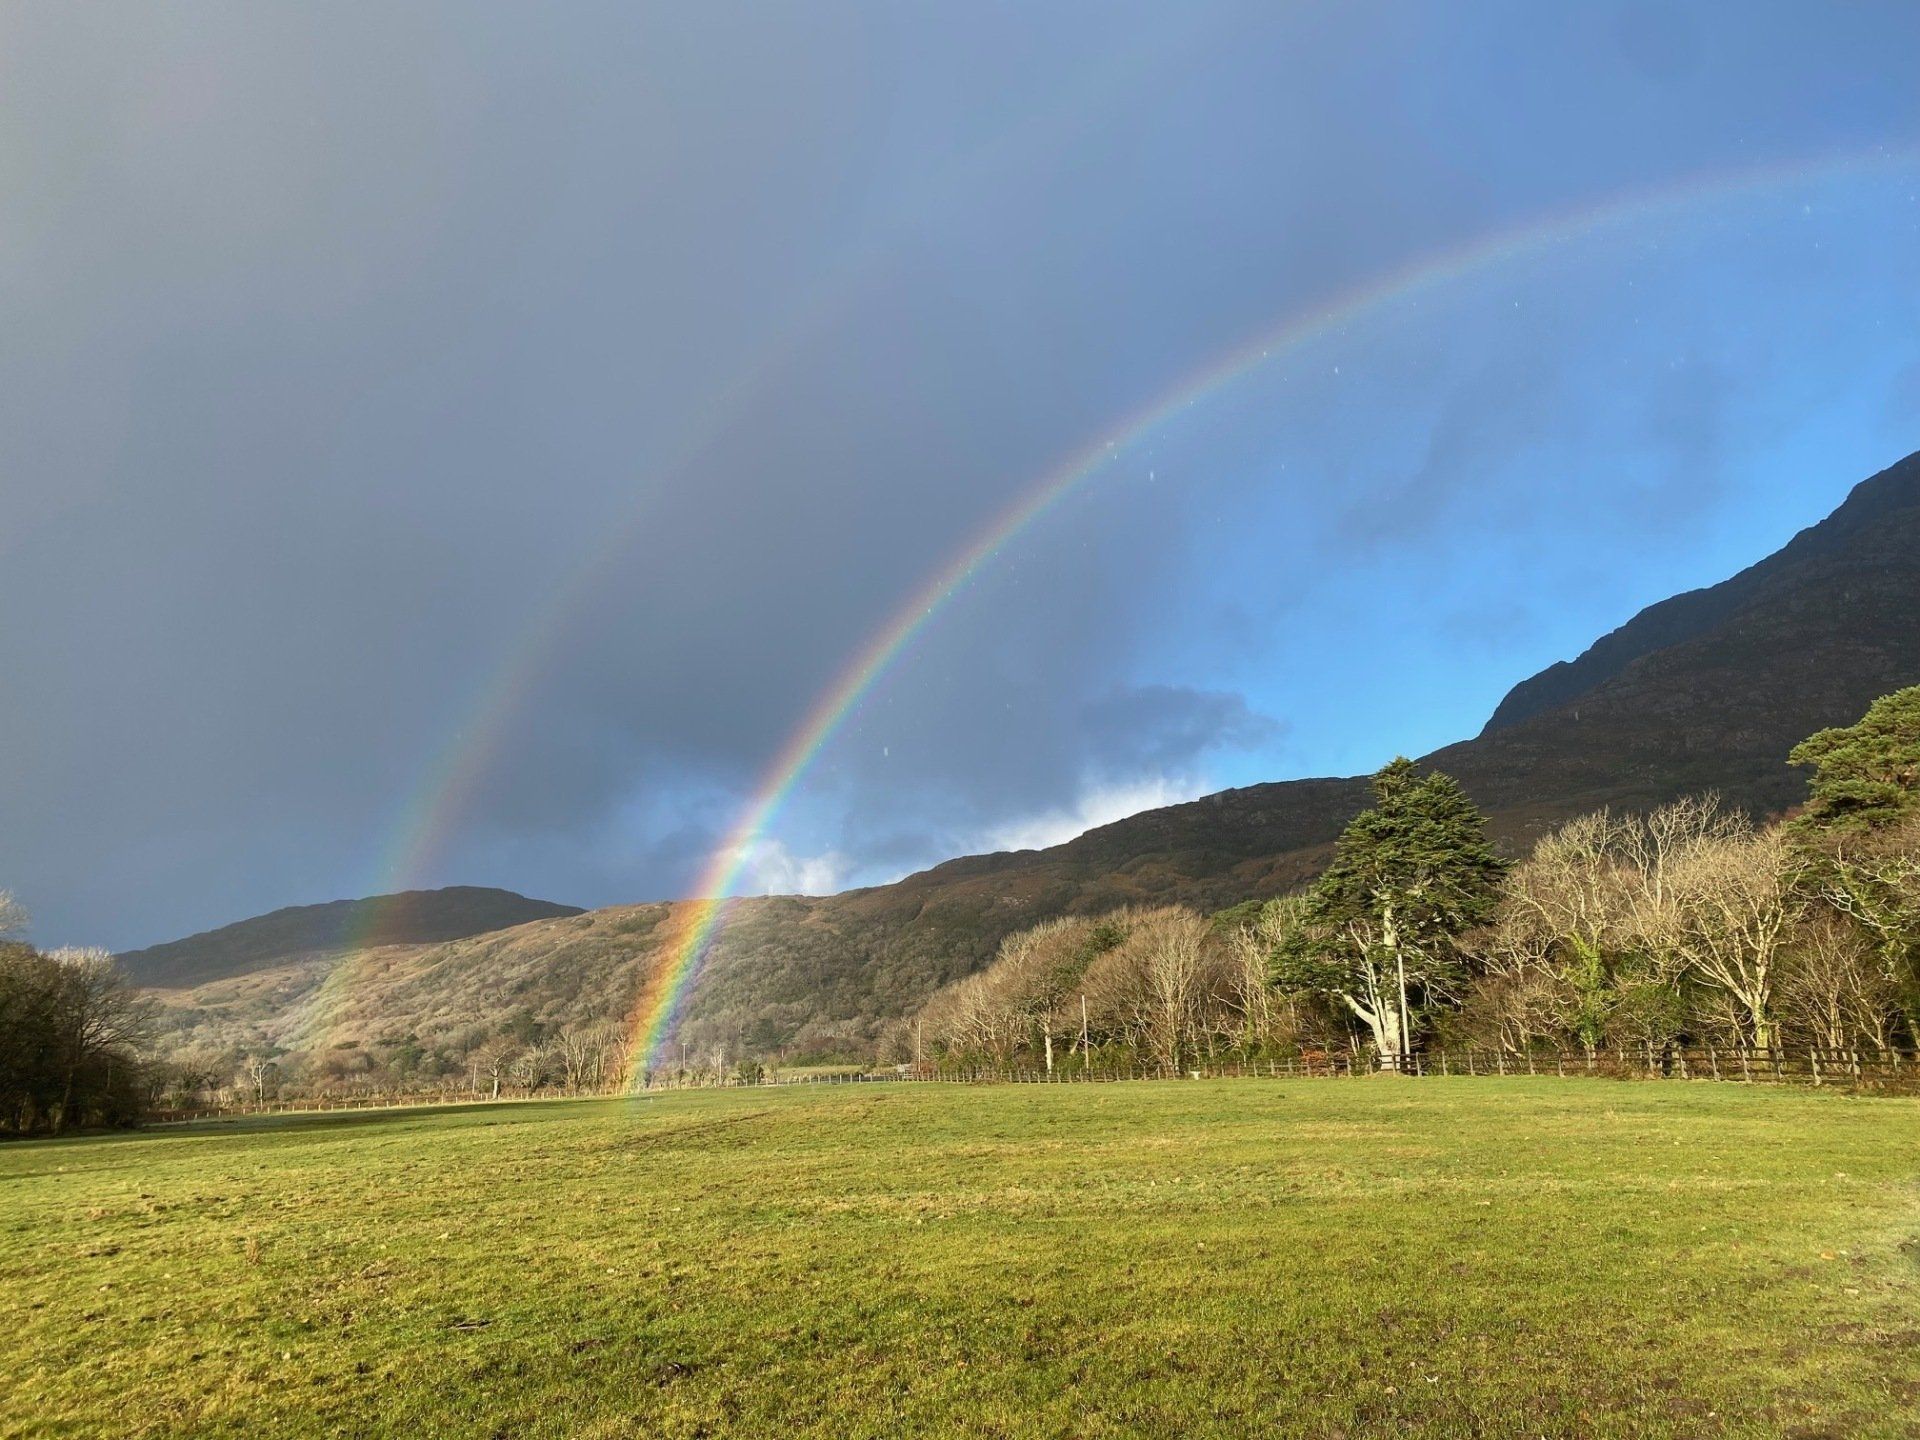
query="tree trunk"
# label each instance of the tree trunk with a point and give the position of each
(1390, 937)
(1381, 1021)
(1400, 1060)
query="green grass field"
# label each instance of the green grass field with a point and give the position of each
(1312, 1258)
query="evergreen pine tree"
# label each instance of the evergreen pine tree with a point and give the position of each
(1409, 877)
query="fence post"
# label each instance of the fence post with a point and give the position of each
(1713, 1060)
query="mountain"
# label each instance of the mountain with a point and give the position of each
(302, 931)
(1844, 538)
(1708, 690)
(1711, 689)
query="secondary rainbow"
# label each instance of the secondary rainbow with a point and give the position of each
(431, 812)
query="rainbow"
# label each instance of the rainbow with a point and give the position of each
(428, 818)
(661, 999)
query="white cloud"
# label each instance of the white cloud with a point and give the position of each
(768, 867)
(1098, 805)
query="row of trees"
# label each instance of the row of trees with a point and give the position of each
(516, 1058)
(1694, 924)
(1163, 983)
(1688, 924)
(72, 1037)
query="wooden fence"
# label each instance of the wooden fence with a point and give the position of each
(1859, 1069)
(1888, 1071)
(1862, 1069)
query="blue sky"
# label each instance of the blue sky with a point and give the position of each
(651, 356)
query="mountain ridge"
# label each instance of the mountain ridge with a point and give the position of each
(296, 931)
(1684, 616)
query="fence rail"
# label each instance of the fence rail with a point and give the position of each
(1886, 1071)
(1874, 1069)
(1857, 1069)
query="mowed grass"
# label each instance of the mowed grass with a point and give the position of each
(1314, 1258)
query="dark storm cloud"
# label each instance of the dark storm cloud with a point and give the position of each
(1497, 410)
(1165, 729)
(557, 402)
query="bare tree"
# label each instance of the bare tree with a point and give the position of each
(582, 1053)
(529, 1067)
(1833, 988)
(1035, 976)
(1521, 995)
(1732, 912)
(102, 1019)
(1659, 842)
(490, 1062)
(612, 1057)
(1565, 928)
(966, 1018)
(1028, 999)
(1874, 881)
(197, 1069)
(1166, 981)
(1257, 1010)
(256, 1070)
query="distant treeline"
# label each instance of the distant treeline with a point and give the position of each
(519, 1057)
(1689, 925)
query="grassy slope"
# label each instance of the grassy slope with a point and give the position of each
(1306, 1258)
